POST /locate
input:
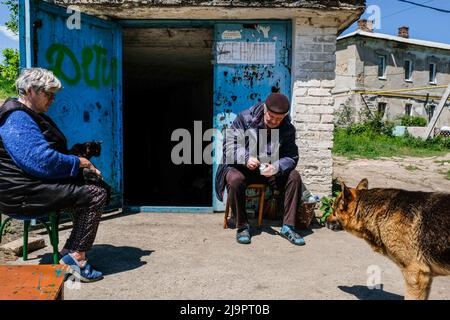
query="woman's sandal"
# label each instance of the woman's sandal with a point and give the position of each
(85, 273)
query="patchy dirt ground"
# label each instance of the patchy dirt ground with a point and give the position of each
(13, 231)
(417, 174)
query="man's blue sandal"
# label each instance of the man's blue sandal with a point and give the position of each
(85, 274)
(289, 233)
(243, 235)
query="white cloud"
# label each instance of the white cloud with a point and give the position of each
(9, 34)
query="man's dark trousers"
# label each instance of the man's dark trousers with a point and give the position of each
(238, 178)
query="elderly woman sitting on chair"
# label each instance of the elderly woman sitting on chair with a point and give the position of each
(37, 175)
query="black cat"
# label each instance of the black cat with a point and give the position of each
(88, 150)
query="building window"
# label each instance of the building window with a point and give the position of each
(408, 70)
(430, 111)
(408, 109)
(433, 73)
(381, 108)
(382, 67)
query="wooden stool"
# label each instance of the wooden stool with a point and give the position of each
(261, 188)
(32, 282)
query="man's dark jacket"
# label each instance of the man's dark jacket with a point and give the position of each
(23, 194)
(253, 118)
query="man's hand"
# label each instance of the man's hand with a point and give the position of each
(252, 163)
(85, 163)
(269, 170)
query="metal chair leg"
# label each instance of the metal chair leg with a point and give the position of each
(3, 226)
(54, 236)
(26, 227)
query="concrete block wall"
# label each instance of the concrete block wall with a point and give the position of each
(313, 75)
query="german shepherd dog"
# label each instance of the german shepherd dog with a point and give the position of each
(411, 228)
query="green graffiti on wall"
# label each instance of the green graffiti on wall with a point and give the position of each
(93, 68)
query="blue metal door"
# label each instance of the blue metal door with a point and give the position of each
(85, 54)
(251, 59)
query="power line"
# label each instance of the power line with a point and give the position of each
(424, 6)
(409, 8)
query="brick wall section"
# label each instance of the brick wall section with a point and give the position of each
(313, 80)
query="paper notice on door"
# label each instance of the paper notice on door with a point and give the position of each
(231, 35)
(245, 52)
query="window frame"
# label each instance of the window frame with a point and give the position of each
(432, 80)
(410, 70)
(383, 57)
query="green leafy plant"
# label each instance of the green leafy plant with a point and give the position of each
(327, 203)
(9, 69)
(371, 125)
(326, 208)
(9, 59)
(408, 121)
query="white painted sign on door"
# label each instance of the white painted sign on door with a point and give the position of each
(245, 52)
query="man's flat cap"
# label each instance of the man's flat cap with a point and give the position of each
(277, 103)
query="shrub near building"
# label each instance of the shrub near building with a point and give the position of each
(373, 139)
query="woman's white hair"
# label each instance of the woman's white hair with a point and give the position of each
(38, 79)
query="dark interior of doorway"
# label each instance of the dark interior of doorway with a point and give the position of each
(167, 84)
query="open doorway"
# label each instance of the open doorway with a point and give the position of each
(167, 84)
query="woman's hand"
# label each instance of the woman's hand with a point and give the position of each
(85, 163)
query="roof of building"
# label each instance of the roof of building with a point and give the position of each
(388, 37)
(314, 4)
(344, 12)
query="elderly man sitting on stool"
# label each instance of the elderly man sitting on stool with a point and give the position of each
(271, 118)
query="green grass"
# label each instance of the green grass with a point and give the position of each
(447, 175)
(372, 145)
(411, 168)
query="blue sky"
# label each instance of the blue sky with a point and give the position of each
(425, 24)
(6, 40)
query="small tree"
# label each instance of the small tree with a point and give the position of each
(13, 22)
(9, 67)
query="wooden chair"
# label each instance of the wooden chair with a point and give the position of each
(261, 188)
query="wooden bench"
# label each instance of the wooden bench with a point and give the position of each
(31, 282)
